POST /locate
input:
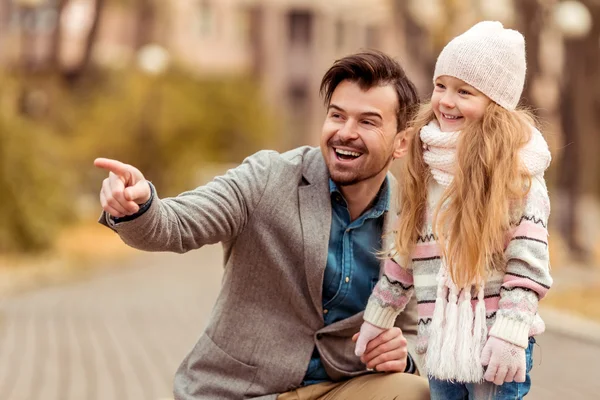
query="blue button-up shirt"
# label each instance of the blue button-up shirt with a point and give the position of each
(352, 265)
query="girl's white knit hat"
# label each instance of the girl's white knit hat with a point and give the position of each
(489, 58)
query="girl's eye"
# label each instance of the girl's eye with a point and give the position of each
(464, 92)
(439, 85)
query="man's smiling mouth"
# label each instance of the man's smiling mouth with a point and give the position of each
(346, 154)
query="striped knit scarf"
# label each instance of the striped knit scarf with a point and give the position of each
(458, 333)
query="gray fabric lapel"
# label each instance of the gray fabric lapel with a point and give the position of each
(315, 216)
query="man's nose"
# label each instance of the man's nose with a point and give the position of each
(348, 131)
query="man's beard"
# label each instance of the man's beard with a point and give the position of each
(349, 179)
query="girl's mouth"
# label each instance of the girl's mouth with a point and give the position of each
(452, 117)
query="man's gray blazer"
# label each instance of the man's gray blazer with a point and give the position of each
(273, 216)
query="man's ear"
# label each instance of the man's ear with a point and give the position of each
(401, 142)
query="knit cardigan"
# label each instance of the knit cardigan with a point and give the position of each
(511, 297)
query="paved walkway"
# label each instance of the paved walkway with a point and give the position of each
(121, 335)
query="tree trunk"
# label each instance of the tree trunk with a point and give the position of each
(146, 21)
(74, 75)
(580, 119)
(530, 24)
(57, 37)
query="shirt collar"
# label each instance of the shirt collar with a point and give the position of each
(381, 202)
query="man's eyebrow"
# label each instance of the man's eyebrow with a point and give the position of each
(335, 107)
(371, 114)
(363, 114)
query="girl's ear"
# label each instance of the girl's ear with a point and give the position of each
(401, 142)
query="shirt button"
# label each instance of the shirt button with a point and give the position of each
(325, 311)
(347, 279)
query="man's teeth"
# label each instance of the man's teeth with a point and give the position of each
(451, 116)
(347, 153)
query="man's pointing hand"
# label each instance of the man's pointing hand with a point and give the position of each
(124, 189)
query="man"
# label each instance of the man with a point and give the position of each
(300, 231)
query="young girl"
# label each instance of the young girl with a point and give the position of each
(471, 239)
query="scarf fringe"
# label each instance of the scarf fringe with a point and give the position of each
(457, 333)
(464, 352)
(437, 323)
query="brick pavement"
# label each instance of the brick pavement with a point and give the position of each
(121, 334)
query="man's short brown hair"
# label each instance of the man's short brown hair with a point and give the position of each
(369, 69)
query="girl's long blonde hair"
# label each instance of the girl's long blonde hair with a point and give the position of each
(473, 215)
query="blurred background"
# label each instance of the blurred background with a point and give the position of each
(184, 89)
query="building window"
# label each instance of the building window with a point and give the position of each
(373, 39)
(40, 19)
(205, 18)
(243, 25)
(300, 27)
(340, 34)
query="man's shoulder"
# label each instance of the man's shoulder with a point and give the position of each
(294, 156)
(303, 158)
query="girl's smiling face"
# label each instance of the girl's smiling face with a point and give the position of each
(455, 103)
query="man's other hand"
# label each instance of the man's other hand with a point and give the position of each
(387, 352)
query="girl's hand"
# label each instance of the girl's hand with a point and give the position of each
(505, 361)
(367, 333)
(388, 352)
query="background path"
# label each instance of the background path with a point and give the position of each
(121, 334)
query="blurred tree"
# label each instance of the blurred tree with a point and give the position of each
(73, 74)
(530, 21)
(146, 22)
(168, 126)
(33, 198)
(580, 117)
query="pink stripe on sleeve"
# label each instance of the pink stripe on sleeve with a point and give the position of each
(425, 310)
(426, 250)
(530, 230)
(397, 273)
(511, 281)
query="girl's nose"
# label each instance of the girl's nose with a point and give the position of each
(447, 101)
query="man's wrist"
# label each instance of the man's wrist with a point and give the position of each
(410, 365)
(143, 208)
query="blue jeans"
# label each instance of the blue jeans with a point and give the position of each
(444, 390)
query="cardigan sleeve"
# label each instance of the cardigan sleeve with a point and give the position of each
(215, 212)
(390, 296)
(527, 278)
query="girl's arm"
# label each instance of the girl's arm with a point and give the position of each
(527, 278)
(390, 296)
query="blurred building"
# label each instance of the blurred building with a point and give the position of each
(286, 44)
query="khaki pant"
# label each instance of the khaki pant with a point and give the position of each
(390, 386)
